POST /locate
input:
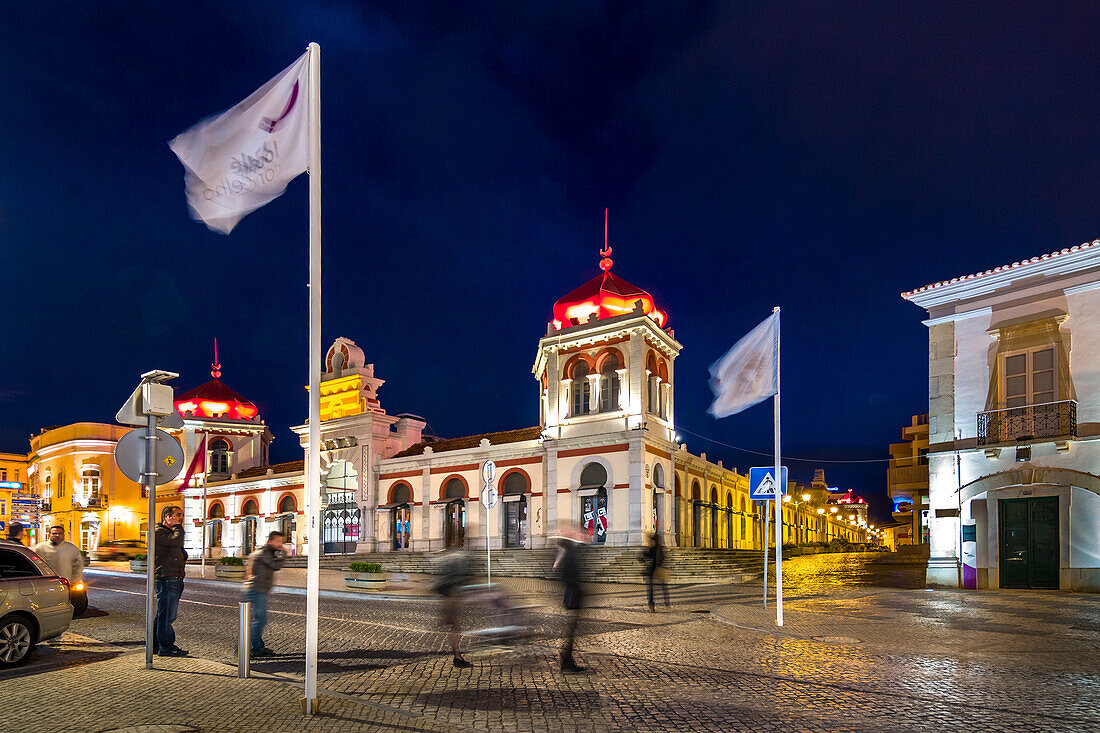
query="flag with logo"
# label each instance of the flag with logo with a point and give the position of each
(239, 160)
(748, 373)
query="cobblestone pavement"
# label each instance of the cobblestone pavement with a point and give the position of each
(849, 658)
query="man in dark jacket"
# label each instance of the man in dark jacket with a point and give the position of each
(261, 576)
(169, 561)
(568, 566)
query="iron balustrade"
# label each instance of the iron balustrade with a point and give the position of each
(1030, 422)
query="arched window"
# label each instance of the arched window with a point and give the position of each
(515, 484)
(658, 476)
(580, 389)
(250, 508)
(47, 487)
(217, 511)
(729, 520)
(287, 504)
(651, 383)
(400, 494)
(455, 489)
(89, 483)
(61, 485)
(219, 456)
(593, 476)
(662, 403)
(609, 384)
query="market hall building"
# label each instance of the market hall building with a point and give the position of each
(604, 456)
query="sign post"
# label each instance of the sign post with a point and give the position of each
(137, 458)
(488, 500)
(763, 486)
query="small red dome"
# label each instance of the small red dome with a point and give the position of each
(848, 498)
(606, 295)
(215, 400)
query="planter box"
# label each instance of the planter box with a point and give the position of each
(229, 572)
(138, 566)
(365, 581)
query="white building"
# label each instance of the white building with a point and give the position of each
(1014, 424)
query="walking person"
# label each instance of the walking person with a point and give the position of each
(64, 558)
(261, 576)
(454, 572)
(655, 571)
(169, 563)
(568, 567)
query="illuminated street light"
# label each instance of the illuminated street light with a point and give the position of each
(820, 510)
(787, 499)
(805, 497)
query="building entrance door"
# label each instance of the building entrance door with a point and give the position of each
(594, 515)
(402, 529)
(89, 536)
(1029, 542)
(515, 523)
(341, 528)
(697, 524)
(454, 524)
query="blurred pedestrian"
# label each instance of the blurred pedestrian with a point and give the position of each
(64, 558)
(453, 570)
(568, 567)
(169, 563)
(15, 533)
(655, 571)
(261, 577)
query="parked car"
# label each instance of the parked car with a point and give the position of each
(34, 603)
(118, 550)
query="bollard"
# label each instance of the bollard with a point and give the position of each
(244, 640)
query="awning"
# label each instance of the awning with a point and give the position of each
(384, 507)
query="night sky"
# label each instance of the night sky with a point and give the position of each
(818, 158)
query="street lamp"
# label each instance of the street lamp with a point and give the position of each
(805, 497)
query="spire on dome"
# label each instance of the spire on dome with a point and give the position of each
(605, 263)
(215, 368)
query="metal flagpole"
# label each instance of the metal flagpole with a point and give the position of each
(780, 488)
(766, 533)
(313, 452)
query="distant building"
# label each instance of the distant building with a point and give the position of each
(13, 486)
(1014, 424)
(907, 482)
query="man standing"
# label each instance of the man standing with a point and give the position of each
(65, 560)
(169, 562)
(569, 569)
(261, 575)
(15, 533)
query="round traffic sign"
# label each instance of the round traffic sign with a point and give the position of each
(130, 456)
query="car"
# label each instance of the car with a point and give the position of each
(118, 550)
(34, 603)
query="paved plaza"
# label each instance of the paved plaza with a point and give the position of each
(850, 657)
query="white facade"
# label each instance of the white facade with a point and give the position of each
(1014, 417)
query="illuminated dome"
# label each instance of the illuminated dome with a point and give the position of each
(215, 400)
(605, 295)
(847, 498)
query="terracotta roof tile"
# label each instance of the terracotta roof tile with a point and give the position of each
(472, 441)
(288, 467)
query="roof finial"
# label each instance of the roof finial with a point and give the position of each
(605, 263)
(215, 368)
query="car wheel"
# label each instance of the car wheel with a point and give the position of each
(16, 641)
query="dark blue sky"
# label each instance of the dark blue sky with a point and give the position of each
(752, 154)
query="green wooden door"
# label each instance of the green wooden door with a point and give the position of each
(1029, 542)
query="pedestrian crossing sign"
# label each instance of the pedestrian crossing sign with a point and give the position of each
(762, 483)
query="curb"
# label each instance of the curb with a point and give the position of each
(288, 590)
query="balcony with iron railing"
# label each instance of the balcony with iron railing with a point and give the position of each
(1046, 421)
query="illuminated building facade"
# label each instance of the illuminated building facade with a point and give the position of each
(907, 483)
(1014, 424)
(14, 487)
(72, 469)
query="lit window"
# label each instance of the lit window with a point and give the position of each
(609, 385)
(90, 480)
(580, 388)
(1029, 377)
(219, 456)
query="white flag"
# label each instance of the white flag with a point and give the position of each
(747, 374)
(243, 158)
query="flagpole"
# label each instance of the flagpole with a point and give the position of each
(781, 488)
(313, 453)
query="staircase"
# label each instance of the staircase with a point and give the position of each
(600, 564)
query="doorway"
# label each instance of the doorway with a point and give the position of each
(454, 524)
(594, 515)
(515, 522)
(1029, 542)
(402, 527)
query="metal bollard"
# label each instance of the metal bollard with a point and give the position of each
(244, 640)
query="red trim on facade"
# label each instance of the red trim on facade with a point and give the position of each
(563, 491)
(567, 370)
(518, 462)
(443, 486)
(659, 453)
(509, 472)
(210, 508)
(280, 502)
(539, 493)
(400, 474)
(593, 451)
(452, 469)
(605, 352)
(621, 486)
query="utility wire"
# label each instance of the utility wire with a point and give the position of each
(785, 458)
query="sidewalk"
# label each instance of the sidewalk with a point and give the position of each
(118, 694)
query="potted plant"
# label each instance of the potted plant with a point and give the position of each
(366, 576)
(140, 563)
(229, 568)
